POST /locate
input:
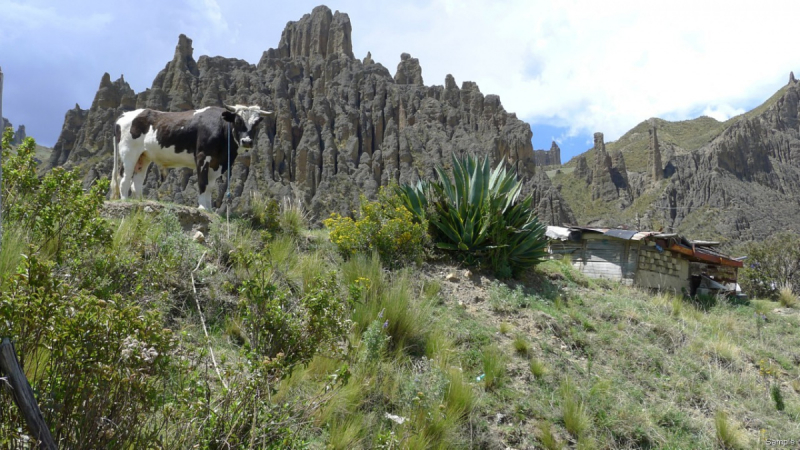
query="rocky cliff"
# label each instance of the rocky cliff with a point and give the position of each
(343, 126)
(734, 180)
(746, 182)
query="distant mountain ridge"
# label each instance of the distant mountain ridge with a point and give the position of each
(735, 180)
(343, 126)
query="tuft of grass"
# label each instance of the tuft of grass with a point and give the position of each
(538, 368)
(729, 436)
(310, 267)
(283, 253)
(521, 345)
(787, 298)
(292, 218)
(505, 327)
(368, 267)
(677, 306)
(546, 437)
(722, 349)
(438, 346)
(494, 367)
(573, 410)
(407, 320)
(431, 289)
(346, 433)
(459, 398)
(14, 245)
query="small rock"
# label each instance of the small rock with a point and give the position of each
(148, 209)
(199, 237)
(467, 273)
(451, 277)
(478, 299)
(461, 304)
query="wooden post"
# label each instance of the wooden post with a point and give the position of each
(1, 159)
(23, 395)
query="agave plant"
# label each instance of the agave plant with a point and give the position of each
(478, 213)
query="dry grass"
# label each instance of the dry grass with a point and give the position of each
(787, 298)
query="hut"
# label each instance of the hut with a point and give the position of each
(649, 259)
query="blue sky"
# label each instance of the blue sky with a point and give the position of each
(569, 68)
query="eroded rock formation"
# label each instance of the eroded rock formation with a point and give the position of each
(342, 127)
(746, 182)
(550, 157)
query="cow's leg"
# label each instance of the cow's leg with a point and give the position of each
(139, 174)
(129, 153)
(204, 189)
(127, 178)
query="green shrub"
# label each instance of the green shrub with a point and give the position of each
(264, 213)
(283, 330)
(771, 264)
(777, 397)
(99, 367)
(374, 340)
(384, 226)
(479, 216)
(61, 218)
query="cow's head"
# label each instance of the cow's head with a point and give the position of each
(244, 120)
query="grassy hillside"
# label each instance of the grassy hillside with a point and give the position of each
(686, 136)
(138, 332)
(554, 360)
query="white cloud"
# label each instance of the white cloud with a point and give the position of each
(722, 112)
(595, 66)
(581, 65)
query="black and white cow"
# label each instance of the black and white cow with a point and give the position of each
(199, 139)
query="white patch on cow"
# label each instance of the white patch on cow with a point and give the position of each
(129, 150)
(166, 156)
(201, 110)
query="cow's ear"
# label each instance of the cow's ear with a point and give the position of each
(229, 116)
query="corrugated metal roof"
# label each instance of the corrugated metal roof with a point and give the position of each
(621, 234)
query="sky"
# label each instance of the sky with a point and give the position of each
(569, 68)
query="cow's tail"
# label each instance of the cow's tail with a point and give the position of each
(114, 194)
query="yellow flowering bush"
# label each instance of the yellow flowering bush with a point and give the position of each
(384, 225)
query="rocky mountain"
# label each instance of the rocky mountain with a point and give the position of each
(343, 125)
(19, 135)
(550, 157)
(733, 180)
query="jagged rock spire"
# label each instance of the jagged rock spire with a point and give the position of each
(792, 78)
(657, 168)
(320, 33)
(408, 71)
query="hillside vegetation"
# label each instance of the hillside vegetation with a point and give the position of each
(266, 334)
